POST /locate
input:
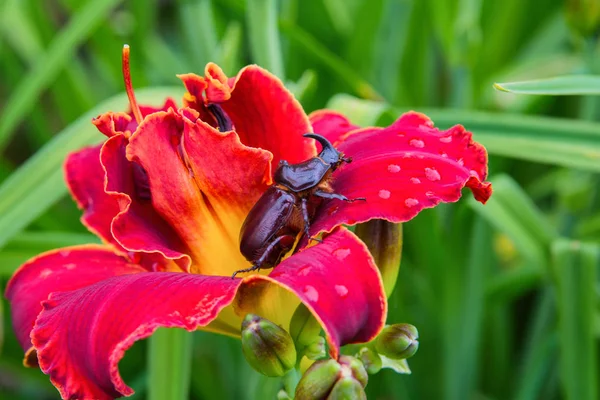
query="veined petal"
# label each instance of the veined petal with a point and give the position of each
(81, 336)
(203, 183)
(331, 124)
(59, 270)
(337, 280)
(138, 227)
(85, 179)
(403, 169)
(264, 113)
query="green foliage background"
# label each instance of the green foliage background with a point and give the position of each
(506, 296)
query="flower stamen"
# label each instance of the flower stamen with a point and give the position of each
(135, 109)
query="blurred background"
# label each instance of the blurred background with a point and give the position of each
(506, 296)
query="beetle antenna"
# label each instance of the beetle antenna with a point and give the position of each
(135, 109)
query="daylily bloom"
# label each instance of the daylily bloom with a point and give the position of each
(167, 193)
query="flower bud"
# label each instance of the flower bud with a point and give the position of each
(347, 389)
(304, 328)
(268, 348)
(370, 359)
(320, 380)
(398, 341)
(316, 350)
(384, 240)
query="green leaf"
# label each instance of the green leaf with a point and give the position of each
(265, 45)
(556, 141)
(575, 266)
(38, 183)
(49, 64)
(170, 360)
(559, 86)
(398, 366)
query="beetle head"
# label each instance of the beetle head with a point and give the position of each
(329, 154)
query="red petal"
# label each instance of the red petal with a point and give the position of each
(85, 178)
(138, 227)
(58, 270)
(81, 336)
(194, 98)
(264, 113)
(203, 183)
(111, 124)
(403, 169)
(336, 279)
(331, 124)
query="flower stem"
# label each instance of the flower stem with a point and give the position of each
(170, 359)
(290, 381)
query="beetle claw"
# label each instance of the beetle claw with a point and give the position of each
(253, 268)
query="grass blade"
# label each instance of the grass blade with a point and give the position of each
(265, 45)
(170, 361)
(558, 86)
(575, 267)
(38, 183)
(50, 63)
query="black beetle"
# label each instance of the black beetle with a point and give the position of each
(287, 207)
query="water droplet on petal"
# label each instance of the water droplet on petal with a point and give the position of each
(70, 266)
(446, 139)
(474, 173)
(393, 168)
(384, 194)
(341, 290)
(410, 202)
(311, 293)
(418, 143)
(444, 155)
(341, 253)
(65, 253)
(430, 194)
(432, 174)
(461, 162)
(416, 181)
(333, 210)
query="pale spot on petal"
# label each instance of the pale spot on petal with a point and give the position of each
(311, 293)
(446, 139)
(393, 168)
(384, 194)
(70, 266)
(45, 273)
(418, 143)
(341, 290)
(432, 174)
(410, 202)
(303, 271)
(416, 181)
(341, 253)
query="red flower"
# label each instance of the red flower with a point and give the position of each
(168, 196)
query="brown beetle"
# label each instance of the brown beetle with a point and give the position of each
(288, 206)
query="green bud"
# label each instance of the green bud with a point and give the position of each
(316, 350)
(370, 359)
(398, 341)
(347, 389)
(384, 240)
(304, 328)
(356, 369)
(318, 380)
(268, 348)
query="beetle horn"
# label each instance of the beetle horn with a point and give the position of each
(329, 153)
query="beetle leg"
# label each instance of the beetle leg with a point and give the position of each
(307, 221)
(327, 195)
(262, 258)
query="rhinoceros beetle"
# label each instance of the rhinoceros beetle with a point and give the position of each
(287, 207)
